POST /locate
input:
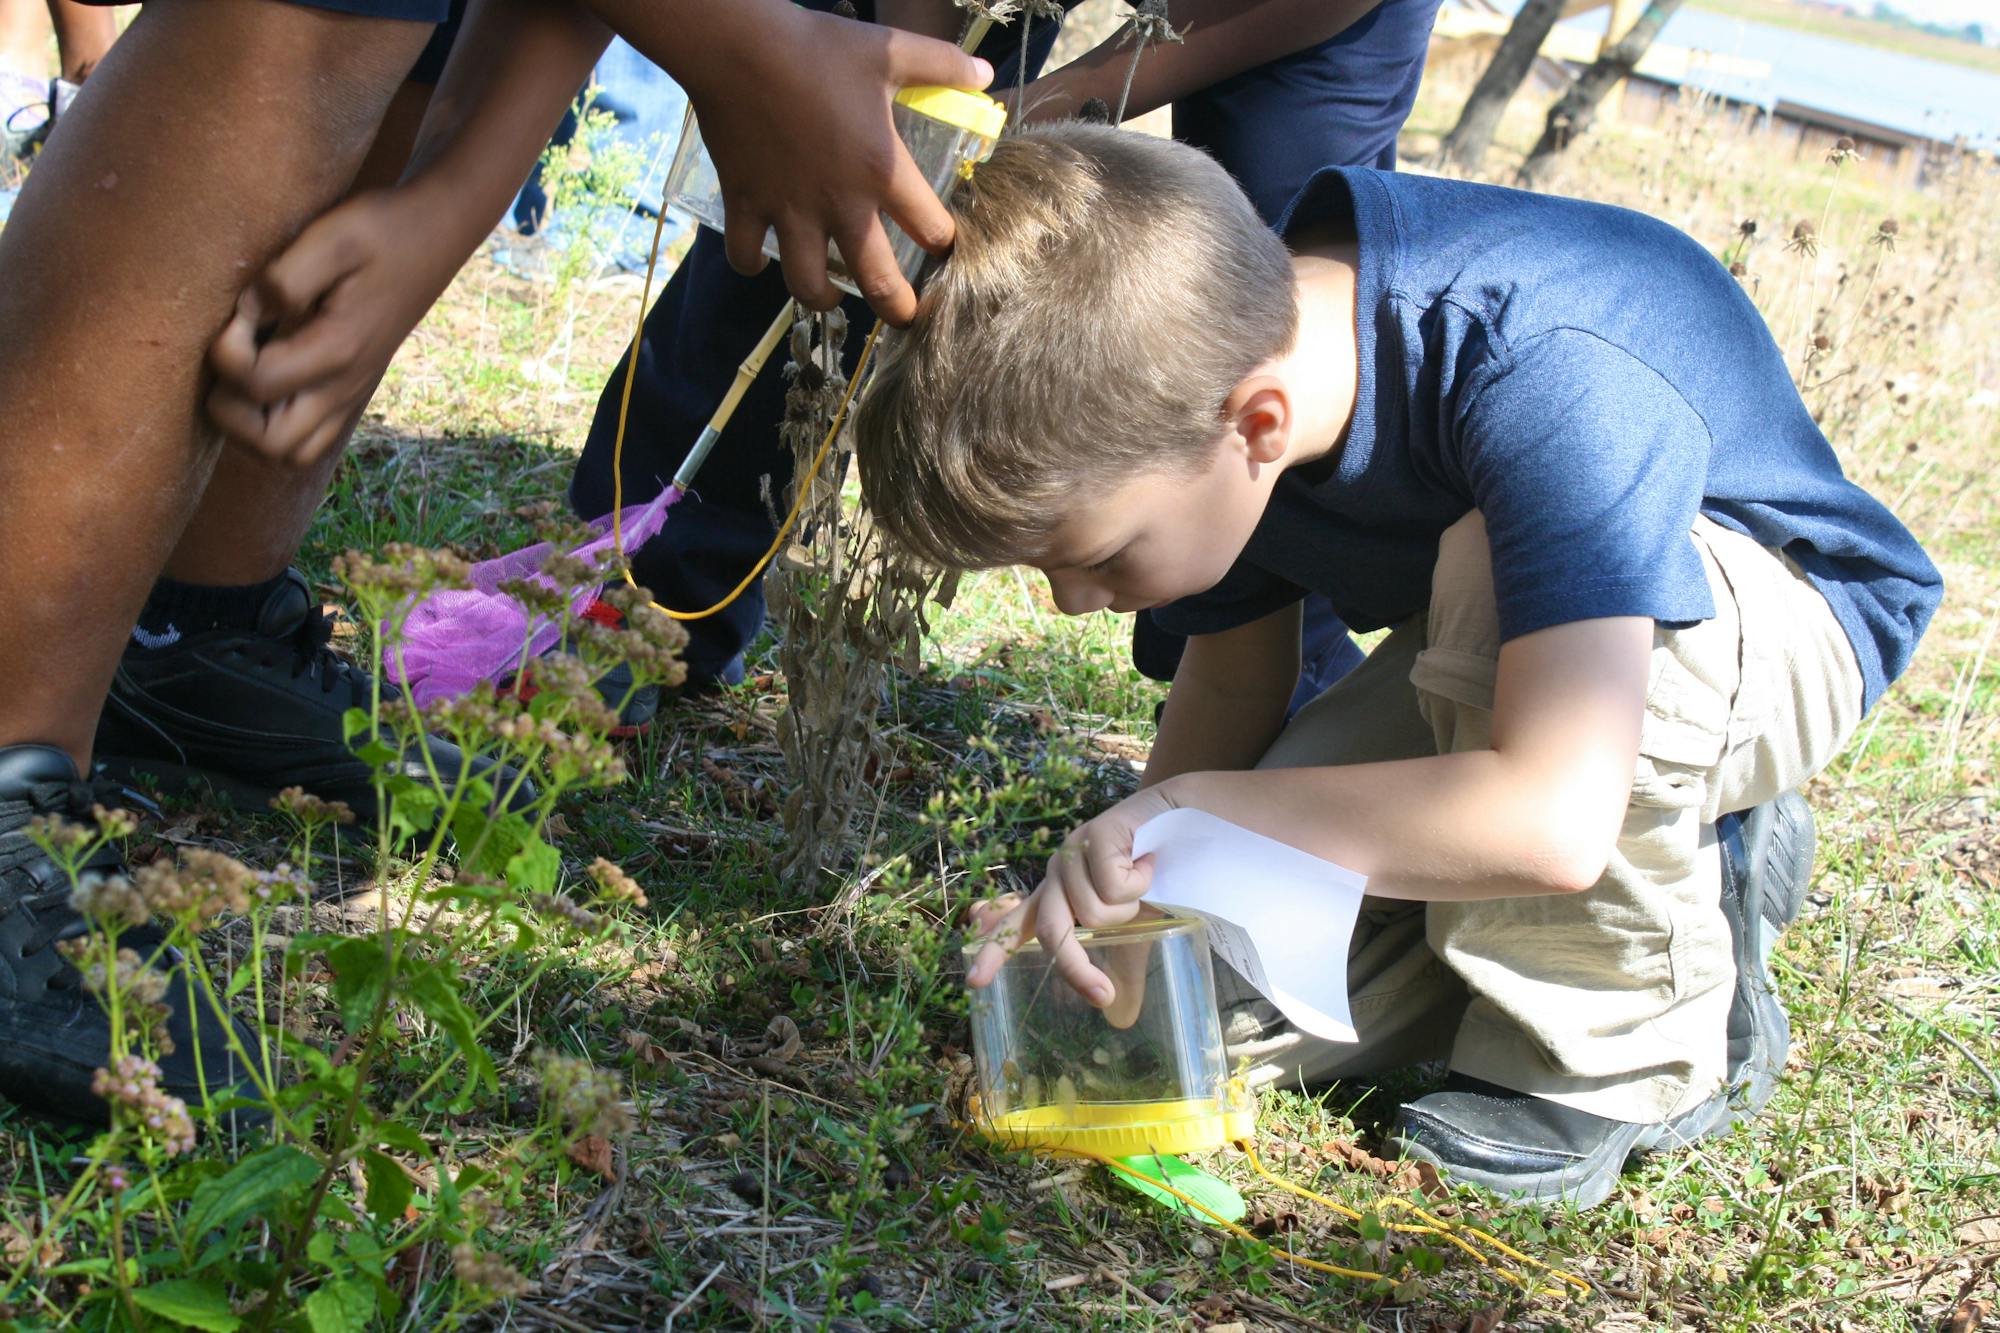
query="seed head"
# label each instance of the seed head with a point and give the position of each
(570, 572)
(488, 1275)
(1805, 238)
(1842, 150)
(59, 837)
(133, 1089)
(1886, 232)
(402, 570)
(202, 887)
(307, 808)
(109, 899)
(615, 884)
(585, 1098)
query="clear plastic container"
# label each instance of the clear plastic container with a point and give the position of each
(1057, 1073)
(948, 131)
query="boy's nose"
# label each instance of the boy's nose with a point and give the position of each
(1077, 596)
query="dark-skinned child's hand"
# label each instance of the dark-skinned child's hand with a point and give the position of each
(804, 143)
(314, 331)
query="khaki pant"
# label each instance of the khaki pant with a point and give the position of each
(1614, 1001)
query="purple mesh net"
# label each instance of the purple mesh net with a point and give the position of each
(456, 640)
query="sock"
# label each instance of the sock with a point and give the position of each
(175, 610)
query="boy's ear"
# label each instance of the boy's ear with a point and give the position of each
(1259, 412)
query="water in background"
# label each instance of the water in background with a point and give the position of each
(1913, 94)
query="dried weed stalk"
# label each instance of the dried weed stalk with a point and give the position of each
(846, 608)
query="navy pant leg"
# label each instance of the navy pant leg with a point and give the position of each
(1341, 103)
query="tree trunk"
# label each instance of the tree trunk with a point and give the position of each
(1467, 143)
(1573, 112)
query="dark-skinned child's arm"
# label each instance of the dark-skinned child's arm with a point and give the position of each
(1224, 38)
(794, 108)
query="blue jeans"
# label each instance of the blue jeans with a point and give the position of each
(1340, 102)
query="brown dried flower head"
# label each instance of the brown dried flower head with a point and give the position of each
(587, 1099)
(110, 899)
(202, 887)
(615, 884)
(402, 570)
(307, 808)
(59, 837)
(487, 1275)
(133, 1090)
(570, 572)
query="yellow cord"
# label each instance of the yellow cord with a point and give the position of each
(745, 373)
(1361, 1274)
(1431, 1226)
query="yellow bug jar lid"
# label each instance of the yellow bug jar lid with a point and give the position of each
(973, 112)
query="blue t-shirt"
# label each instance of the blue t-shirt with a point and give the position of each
(1590, 379)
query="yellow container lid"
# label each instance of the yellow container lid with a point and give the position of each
(1125, 1129)
(973, 112)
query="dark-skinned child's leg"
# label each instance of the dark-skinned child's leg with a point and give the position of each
(84, 34)
(227, 680)
(210, 135)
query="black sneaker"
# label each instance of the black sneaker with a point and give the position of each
(1523, 1146)
(54, 1035)
(252, 712)
(1767, 860)
(1526, 1147)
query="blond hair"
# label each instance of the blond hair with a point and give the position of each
(1106, 293)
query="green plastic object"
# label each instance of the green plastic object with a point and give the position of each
(1216, 1195)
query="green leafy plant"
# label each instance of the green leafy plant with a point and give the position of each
(332, 1195)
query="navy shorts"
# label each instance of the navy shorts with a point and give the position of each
(445, 13)
(417, 11)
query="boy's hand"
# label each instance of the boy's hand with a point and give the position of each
(315, 330)
(1092, 881)
(804, 143)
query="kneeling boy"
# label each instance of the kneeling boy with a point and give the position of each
(1551, 444)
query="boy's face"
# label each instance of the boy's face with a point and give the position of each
(1159, 537)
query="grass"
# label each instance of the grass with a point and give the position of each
(794, 1062)
(1860, 29)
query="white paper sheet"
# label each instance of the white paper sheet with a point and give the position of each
(1279, 916)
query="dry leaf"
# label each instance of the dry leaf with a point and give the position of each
(1356, 1158)
(1969, 1317)
(785, 1040)
(1979, 1231)
(1484, 1321)
(1430, 1183)
(645, 1049)
(1885, 1195)
(592, 1152)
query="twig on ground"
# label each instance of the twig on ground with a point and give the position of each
(689, 1299)
(1992, 1080)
